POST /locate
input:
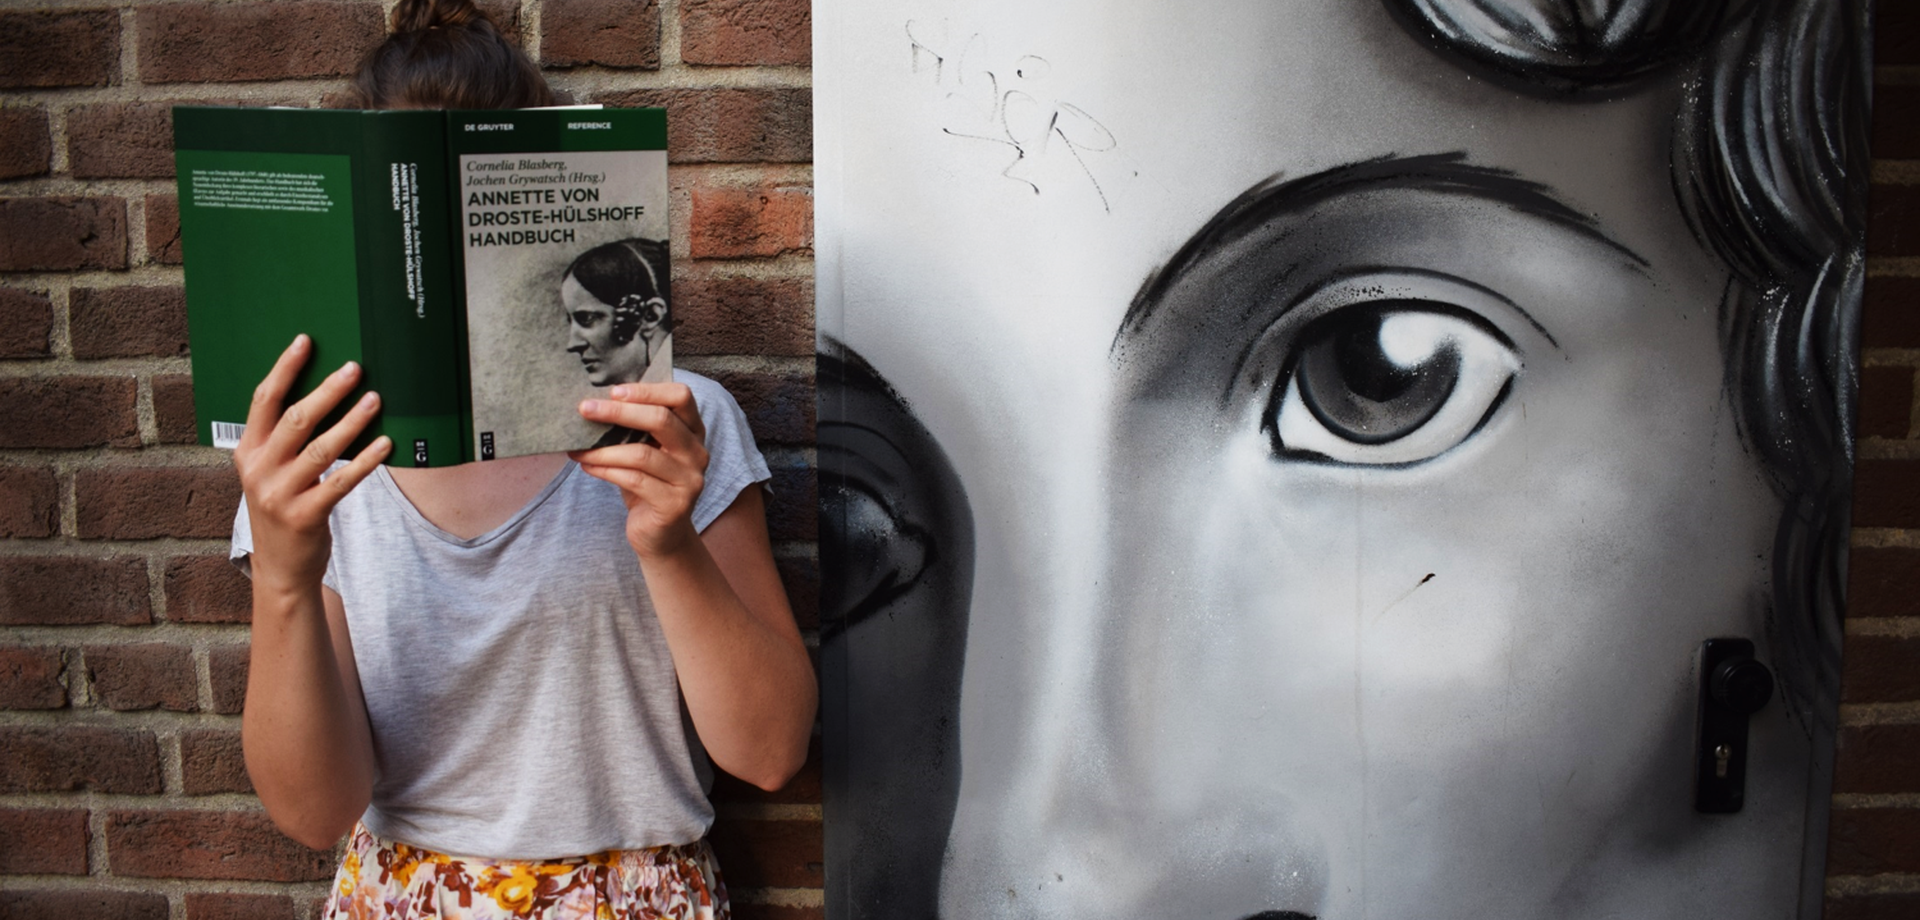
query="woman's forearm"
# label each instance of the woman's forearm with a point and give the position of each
(308, 748)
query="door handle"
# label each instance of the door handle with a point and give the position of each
(1733, 686)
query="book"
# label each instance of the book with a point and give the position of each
(487, 269)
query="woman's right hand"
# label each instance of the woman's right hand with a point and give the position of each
(280, 462)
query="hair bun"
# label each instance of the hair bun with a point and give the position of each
(420, 15)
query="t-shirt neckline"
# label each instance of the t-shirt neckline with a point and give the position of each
(413, 514)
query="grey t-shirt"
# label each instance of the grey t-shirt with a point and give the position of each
(521, 694)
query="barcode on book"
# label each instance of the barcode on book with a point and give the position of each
(227, 434)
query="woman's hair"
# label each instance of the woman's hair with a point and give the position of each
(626, 275)
(1770, 167)
(446, 54)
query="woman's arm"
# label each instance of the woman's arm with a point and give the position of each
(742, 666)
(308, 748)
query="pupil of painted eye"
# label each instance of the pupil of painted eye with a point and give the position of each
(1373, 375)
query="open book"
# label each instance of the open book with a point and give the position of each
(488, 269)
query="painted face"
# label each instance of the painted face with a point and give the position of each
(1363, 572)
(591, 338)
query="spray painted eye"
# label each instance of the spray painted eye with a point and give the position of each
(1389, 382)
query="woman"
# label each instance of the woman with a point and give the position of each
(506, 678)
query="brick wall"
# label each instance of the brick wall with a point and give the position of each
(123, 631)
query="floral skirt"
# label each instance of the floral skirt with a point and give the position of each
(383, 880)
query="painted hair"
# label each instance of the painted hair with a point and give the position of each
(628, 275)
(446, 54)
(1770, 167)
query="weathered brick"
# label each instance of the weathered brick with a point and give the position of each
(26, 145)
(737, 223)
(747, 32)
(791, 514)
(88, 903)
(147, 676)
(751, 911)
(142, 503)
(1883, 581)
(241, 845)
(26, 324)
(1870, 841)
(62, 233)
(801, 578)
(1890, 316)
(1896, 35)
(222, 905)
(742, 316)
(610, 33)
(207, 589)
(29, 502)
(226, 42)
(227, 669)
(803, 789)
(173, 408)
(1892, 905)
(767, 125)
(163, 230)
(1881, 669)
(68, 412)
(211, 761)
(70, 591)
(75, 757)
(1886, 493)
(30, 679)
(43, 841)
(769, 854)
(780, 407)
(134, 321)
(1896, 109)
(59, 48)
(1893, 220)
(1886, 401)
(120, 140)
(1877, 759)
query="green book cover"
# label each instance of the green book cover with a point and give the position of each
(487, 269)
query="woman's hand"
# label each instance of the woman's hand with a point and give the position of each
(280, 467)
(660, 481)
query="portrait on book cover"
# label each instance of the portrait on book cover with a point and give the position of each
(1338, 459)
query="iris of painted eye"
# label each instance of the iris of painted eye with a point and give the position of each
(1390, 382)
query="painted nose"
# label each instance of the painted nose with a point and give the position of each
(576, 342)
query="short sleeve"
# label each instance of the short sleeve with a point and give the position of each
(733, 461)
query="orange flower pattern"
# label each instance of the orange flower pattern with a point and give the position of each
(383, 880)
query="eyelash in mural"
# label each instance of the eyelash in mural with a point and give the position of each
(1384, 380)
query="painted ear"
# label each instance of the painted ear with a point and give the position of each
(653, 313)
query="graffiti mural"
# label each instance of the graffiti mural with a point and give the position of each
(1334, 459)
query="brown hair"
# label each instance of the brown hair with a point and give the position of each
(446, 54)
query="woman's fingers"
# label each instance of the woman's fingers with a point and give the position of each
(664, 423)
(298, 422)
(264, 412)
(330, 444)
(336, 486)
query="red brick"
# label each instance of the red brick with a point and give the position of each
(803, 789)
(1883, 581)
(211, 761)
(747, 32)
(610, 33)
(744, 911)
(1881, 669)
(735, 223)
(62, 233)
(220, 905)
(769, 854)
(121, 140)
(163, 230)
(43, 841)
(173, 408)
(780, 407)
(207, 589)
(1886, 493)
(30, 679)
(801, 577)
(74, 757)
(90, 904)
(1890, 317)
(1877, 759)
(26, 324)
(1893, 905)
(241, 845)
(223, 42)
(1896, 109)
(792, 513)
(742, 316)
(1893, 220)
(769, 125)
(128, 322)
(68, 412)
(1896, 36)
(227, 667)
(72, 590)
(66, 48)
(146, 676)
(29, 502)
(143, 503)
(1886, 401)
(1870, 841)
(26, 145)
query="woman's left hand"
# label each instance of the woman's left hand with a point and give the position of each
(660, 481)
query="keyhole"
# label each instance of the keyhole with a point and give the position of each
(1721, 754)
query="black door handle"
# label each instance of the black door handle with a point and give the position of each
(1733, 686)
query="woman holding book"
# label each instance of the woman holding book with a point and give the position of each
(505, 679)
